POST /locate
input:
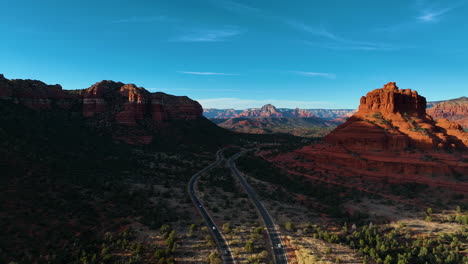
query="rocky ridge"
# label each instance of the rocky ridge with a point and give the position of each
(106, 103)
(455, 110)
(271, 111)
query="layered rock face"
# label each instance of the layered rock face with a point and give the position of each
(455, 110)
(106, 103)
(36, 94)
(128, 104)
(395, 119)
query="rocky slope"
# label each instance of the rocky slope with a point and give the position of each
(391, 137)
(455, 110)
(132, 113)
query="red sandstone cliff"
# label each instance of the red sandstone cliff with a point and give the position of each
(107, 103)
(128, 104)
(455, 110)
(390, 118)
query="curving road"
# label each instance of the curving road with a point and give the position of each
(273, 233)
(223, 246)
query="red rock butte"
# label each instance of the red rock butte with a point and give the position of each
(395, 119)
(390, 138)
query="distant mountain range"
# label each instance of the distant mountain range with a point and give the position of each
(269, 119)
(315, 122)
(271, 111)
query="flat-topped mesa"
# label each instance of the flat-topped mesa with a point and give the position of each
(391, 100)
(392, 119)
(129, 104)
(170, 107)
(115, 102)
(36, 94)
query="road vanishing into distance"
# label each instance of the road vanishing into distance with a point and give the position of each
(278, 248)
(226, 252)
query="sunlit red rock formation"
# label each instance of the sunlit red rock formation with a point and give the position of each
(455, 110)
(391, 137)
(395, 119)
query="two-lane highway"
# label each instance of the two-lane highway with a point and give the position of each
(223, 246)
(275, 237)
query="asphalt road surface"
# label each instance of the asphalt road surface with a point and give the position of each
(223, 246)
(275, 238)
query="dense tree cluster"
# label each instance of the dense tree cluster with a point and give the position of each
(390, 245)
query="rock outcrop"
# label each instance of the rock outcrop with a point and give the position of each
(455, 110)
(395, 119)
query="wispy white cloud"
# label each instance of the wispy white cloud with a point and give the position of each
(208, 35)
(242, 9)
(206, 73)
(330, 40)
(426, 12)
(142, 19)
(429, 11)
(325, 38)
(236, 103)
(316, 74)
(431, 16)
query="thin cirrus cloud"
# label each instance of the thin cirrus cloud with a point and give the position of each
(316, 74)
(324, 38)
(433, 15)
(427, 13)
(143, 19)
(206, 73)
(211, 35)
(330, 40)
(237, 103)
(431, 12)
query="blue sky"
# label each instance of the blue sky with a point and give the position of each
(239, 53)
